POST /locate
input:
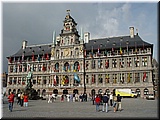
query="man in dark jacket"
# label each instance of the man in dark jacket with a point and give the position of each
(119, 102)
(105, 100)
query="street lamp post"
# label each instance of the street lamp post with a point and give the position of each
(84, 74)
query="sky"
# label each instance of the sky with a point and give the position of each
(36, 22)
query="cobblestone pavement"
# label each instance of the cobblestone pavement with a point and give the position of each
(131, 108)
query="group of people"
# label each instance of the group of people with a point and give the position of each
(108, 100)
(22, 100)
(75, 97)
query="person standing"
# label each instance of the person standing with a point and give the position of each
(97, 101)
(111, 99)
(11, 101)
(119, 102)
(25, 100)
(105, 100)
(114, 102)
(21, 99)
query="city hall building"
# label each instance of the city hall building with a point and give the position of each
(74, 63)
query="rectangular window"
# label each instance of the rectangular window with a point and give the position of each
(100, 79)
(144, 61)
(93, 78)
(87, 79)
(107, 78)
(136, 61)
(137, 77)
(129, 77)
(93, 64)
(129, 62)
(114, 63)
(114, 78)
(121, 63)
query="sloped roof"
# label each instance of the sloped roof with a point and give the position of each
(38, 49)
(101, 43)
(107, 43)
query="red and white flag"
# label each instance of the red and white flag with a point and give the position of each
(144, 76)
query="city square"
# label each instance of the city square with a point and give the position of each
(131, 108)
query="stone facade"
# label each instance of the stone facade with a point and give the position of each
(76, 63)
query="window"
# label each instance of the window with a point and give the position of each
(114, 78)
(122, 78)
(99, 63)
(107, 78)
(129, 77)
(136, 61)
(93, 64)
(87, 79)
(145, 77)
(137, 77)
(129, 62)
(11, 68)
(87, 64)
(121, 63)
(100, 79)
(144, 61)
(114, 63)
(93, 78)
(107, 64)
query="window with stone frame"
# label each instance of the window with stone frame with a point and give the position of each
(93, 64)
(93, 78)
(145, 76)
(136, 61)
(114, 63)
(114, 78)
(11, 68)
(39, 67)
(87, 64)
(15, 80)
(10, 80)
(99, 63)
(76, 52)
(34, 79)
(107, 64)
(107, 78)
(137, 77)
(19, 80)
(121, 63)
(129, 62)
(100, 78)
(34, 67)
(144, 61)
(87, 78)
(44, 80)
(38, 80)
(20, 67)
(122, 80)
(129, 77)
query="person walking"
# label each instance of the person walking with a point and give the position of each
(62, 98)
(21, 99)
(97, 101)
(49, 98)
(114, 102)
(111, 99)
(18, 99)
(11, 101)
(119, 104)
(105, 100)
(25, 100)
